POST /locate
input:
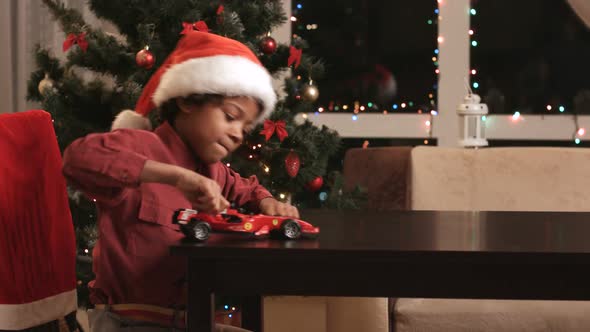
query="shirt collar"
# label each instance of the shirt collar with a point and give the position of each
(177, 147)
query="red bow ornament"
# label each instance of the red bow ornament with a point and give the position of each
(270, 127)
(219, 9)
(200, 26)
(294, 56)
(219, 16)
(73, 39)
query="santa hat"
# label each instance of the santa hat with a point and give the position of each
(203, 63)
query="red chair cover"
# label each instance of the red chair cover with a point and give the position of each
(37, 243)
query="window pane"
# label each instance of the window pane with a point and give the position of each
(378, 53)
(530, 56)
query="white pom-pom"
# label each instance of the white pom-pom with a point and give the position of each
(132, 120)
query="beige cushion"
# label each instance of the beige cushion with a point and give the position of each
(325, 314)
(425, 315)
(441, 179)
(354, 314)
(295, 313)
(510, 179)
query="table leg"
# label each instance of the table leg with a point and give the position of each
(201, 299)
(252, 313)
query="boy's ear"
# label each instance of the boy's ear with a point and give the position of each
(183, 105)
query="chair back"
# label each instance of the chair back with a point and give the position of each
(37, 242)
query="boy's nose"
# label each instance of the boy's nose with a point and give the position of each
(237, 135)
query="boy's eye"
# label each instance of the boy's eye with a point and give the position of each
(229, 117)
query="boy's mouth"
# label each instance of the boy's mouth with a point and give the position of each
(224, 148)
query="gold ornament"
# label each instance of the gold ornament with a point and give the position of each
(310, 92)
(46, 85)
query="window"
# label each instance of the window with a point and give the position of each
(380, 55)
(530, 56)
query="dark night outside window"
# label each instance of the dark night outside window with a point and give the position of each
(369, 44)
(530, 55)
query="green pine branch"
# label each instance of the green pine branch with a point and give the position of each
(71, 21)
(47, 64)
(104, 55)
(258, 16)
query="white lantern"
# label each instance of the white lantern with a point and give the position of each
(471, 131)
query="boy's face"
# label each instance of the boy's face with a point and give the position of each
(215, 130)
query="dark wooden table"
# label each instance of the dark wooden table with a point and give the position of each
(494, 255)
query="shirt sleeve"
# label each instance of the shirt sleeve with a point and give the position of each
(102, 165)
(242, 191)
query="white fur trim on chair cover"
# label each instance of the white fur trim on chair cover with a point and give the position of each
(26, 315)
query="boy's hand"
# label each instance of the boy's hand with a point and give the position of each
(272, 207)
(204, 193)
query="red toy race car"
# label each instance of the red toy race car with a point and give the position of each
(197, 225)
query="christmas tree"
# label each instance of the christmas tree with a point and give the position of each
(105, 73)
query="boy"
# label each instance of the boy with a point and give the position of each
(210, 91)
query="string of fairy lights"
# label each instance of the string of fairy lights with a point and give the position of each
(359, 107)
(516, 117)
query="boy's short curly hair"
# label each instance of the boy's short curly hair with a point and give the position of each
(169, 109)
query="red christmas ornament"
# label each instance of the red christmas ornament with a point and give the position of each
(145, 58)
(268, 45)
(292, 164)
(315, 184)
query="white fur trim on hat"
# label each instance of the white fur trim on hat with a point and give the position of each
(220, 74)
(131, 119)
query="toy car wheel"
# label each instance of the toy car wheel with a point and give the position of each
(201, 230)
(290, 229)
(196, 230)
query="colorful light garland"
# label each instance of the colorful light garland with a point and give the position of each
(358, 106)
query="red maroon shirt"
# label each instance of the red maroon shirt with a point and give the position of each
(131, 258)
